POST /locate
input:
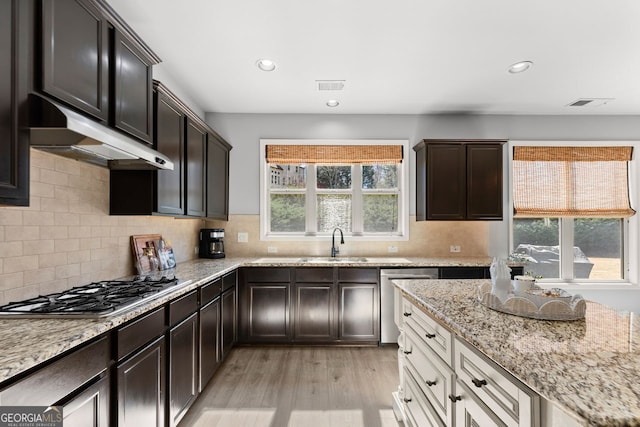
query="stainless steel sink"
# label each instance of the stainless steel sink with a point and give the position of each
(338, 260)
(330, 260)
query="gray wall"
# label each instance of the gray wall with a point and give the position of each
(244, 131)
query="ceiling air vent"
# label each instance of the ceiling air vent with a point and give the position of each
(590, 102)
(330, 84)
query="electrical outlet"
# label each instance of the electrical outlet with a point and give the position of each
(454, 248)
(196, 250)
(272, 250)
(243, 237)
(392, 249)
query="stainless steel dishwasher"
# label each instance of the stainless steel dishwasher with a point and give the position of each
(388, 329)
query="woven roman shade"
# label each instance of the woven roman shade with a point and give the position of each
(571, 182)
(333, 154)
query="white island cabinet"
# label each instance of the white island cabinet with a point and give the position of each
(462, 364)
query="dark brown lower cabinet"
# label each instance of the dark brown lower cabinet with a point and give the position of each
(359, 312)
(183, 367)
(267, 312)
(91, 407)
(141, 387)
(314, 318)
(228, 320)
(210, 351)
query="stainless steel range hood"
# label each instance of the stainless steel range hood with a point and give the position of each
(59, 130)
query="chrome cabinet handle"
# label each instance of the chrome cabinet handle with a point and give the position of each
(454, 399)
(479, 383)
(430, 336)
(431, 383)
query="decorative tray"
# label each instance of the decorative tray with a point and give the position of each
(536, 303)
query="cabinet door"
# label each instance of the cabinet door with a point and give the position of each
(229, 322)
(314, 307)
(210, 352)
(266, 312)
(484, 181)
(217, 179)
(75, 55)
(132, 77)
(169, 138)
(446, 181)
(15, 53)
(196, 169)
(359, 317)
(90, 408)
(141, 387)
(470, 412)
(421, 182)
(183, 367)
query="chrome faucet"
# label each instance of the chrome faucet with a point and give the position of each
(335, 251)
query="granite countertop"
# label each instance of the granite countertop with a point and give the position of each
(29, 342)
(372, 261)
(590, 367)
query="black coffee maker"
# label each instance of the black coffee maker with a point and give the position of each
(211, 243)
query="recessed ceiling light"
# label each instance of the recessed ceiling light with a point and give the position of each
(332, 103)
(520, 67)
(266, 64)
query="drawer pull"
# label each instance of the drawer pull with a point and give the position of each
(431, 383)
(407, 399)
(454, 399)
(406, 314)
(407, 351)
(430, 336)
(479, 383)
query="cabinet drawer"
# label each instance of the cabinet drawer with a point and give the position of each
(140, 331)
(314, 275)
(358, 275)
(181, 308)
(417, 408)
(509, 399)
(265, 274)
(432, 375)
(437, 337)
(229, 281)
(48, 385)
(210, 291)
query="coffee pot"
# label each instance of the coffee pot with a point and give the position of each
(211, 243)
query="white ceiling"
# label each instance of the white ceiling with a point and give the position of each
(397, 57)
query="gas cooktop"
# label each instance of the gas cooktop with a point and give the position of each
(95, 300)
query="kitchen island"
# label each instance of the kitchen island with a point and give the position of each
(586, 372)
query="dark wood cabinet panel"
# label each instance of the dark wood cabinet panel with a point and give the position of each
(210, 352)
(359, 315)
(133, 81)
(484, 181)
(314, 308)
(196, 137)
(142, 387)
(183, 368)
(228, 318)
(459, 180)
(75, 55)
(16, 30)
(217, 178)
(265, 312)
(91, 407)
(169, 140)
(446, 177)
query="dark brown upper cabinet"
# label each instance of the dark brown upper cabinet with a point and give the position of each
(94, 62)
(217, 177)
(133, 81)
(16, 31)
(75, 55)
(459, 180)
(196, 138)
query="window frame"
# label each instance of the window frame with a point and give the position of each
(310, 191)
(630, 230)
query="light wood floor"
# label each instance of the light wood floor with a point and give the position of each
(300, 387)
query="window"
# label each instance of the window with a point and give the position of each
(356, 186)
(571, 210)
